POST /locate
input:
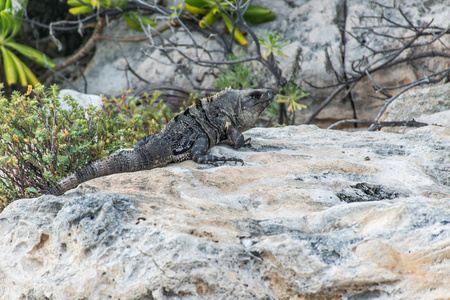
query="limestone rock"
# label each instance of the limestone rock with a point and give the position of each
(311, 26)
(82, 99)
(419, 13)
(430, 105)
(441, 119)
(312, 214)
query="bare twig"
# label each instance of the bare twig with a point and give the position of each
(325, 103)
(375, 124)
(160, 30)
(346, 121)
(423, 80)
(378, 126)
(411, 49)
(82, 52)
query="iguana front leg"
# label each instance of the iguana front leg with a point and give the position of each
(200, 148)
(236, 138)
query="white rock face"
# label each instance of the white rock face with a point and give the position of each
(312, 214)
(430, 105)
(312, 27)
(82, 99)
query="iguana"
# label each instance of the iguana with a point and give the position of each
(189, 135)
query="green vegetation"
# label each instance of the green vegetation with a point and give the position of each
(14, 68)
(291, 93)
(134, 19)
(273, 41)
(237, 76)
(209, 10)
(40, 142)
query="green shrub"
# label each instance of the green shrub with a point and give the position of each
(147, 115)
(237, 76)
(40, 143)
(273, 42)
(290, 94)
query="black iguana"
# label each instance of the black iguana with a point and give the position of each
(188, 135)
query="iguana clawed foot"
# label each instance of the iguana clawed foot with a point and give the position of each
(247, 143)
(226, 159)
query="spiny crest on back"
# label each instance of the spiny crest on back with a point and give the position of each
(211, 98)
(198, 102)
(219, 94)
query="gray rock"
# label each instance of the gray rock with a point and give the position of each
(83, 100)
(279, 227)
(428, 105)
(418, 12)
(441, 118)
(312, 27)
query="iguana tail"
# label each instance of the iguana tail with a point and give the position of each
(134, 160)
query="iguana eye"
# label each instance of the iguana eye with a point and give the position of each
(256, 95)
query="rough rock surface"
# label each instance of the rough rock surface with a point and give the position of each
(312, 26)
(82, 99)
(312, 214)
(430, 105)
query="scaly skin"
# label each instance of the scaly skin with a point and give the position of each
(188, 135)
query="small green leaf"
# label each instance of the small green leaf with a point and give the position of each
(256, 14)
(33, 54)
(136, 21)
(210, 18)
(78, 10)
(32, 190)
(238, 36)
(195, 10)
(31, 78)
(77, 2)
(200, 3)
(273, 41)
(6, 24)
(19, 69)
(8, 63)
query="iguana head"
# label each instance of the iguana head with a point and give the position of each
(241, 108)
(249, 104)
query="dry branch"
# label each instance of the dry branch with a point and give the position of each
(412, 49)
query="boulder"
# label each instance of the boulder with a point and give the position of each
(313, 214)
(83, 100)
(315, 30)
(418, 13)
(429, 105)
